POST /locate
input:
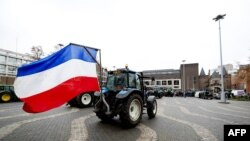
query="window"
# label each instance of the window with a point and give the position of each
(12, 70)
(2, 68)
(176, 82)
(19, 62)
(138, 84)
(132, 80)
(2, 59)
(169, 82)
(146, 82)
(12, 60)
(158, 82)
(1, 88)
(164, 82)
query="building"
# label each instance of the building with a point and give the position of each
(190, 76)
(9, 61)
(214, 80)
(204, 80)
(167, 78)
(172, 78)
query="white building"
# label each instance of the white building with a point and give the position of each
(9, 61)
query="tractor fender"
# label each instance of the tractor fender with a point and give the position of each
(125, 93)
(151, 98)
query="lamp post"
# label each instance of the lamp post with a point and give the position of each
(184, 78)
(222, 96)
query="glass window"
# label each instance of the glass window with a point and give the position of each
(176, 82)
(1, 88)
(138, 83)
(11, 68)
(158, 82)
(164, 82)
(12, 60)
(2, 68)
(132, 80)
(19, 62)
(169, 82)
(2, 59)
(146, 83)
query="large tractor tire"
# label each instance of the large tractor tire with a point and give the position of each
(6, 97)
(84, 100)
(131, 112)
(151, 108)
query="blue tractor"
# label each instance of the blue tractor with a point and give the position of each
(125, 96)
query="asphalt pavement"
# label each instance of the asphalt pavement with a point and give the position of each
(177, 119)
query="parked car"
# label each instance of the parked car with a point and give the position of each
(228, 94)
(197, 94)
(238, 92)
(205, 95)
(169, 92)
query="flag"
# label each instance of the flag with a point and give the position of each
(56, 79)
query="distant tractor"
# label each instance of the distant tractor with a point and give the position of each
(125, 96)
(7, 94)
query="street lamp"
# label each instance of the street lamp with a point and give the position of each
(184, 78)
(222, 96)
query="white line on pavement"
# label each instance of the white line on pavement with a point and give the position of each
(147, 134)
(186, 111)
(8, 129)
(222, 113)
(20, 115)
(204, 133)
(79, 131)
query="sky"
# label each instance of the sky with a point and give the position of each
(145, 34)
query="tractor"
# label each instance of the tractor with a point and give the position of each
(124, 95)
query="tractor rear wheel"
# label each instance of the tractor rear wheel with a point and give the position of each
(151, 109)
(131, 112)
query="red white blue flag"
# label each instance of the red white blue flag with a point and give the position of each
(56, 79)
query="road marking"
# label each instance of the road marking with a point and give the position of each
(6, 109)
(204, 133)
(79, 130)
(223, 108)
(20, 115)
(147, 134)
(222, 113)
(8, 129)
(186, 111)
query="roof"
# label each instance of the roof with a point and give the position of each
(202, 73)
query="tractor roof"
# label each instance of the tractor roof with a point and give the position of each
(122, 70)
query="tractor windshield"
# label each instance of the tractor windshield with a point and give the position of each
(116, 81)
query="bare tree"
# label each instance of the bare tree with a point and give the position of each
(37, 52)
(58, 47)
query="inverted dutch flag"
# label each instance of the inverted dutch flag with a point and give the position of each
(56, 79)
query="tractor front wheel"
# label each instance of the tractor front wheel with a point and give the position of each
(151, 109)
(131, 112)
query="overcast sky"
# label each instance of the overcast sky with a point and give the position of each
(145, 34)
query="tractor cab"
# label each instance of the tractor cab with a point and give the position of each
(123, 79)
